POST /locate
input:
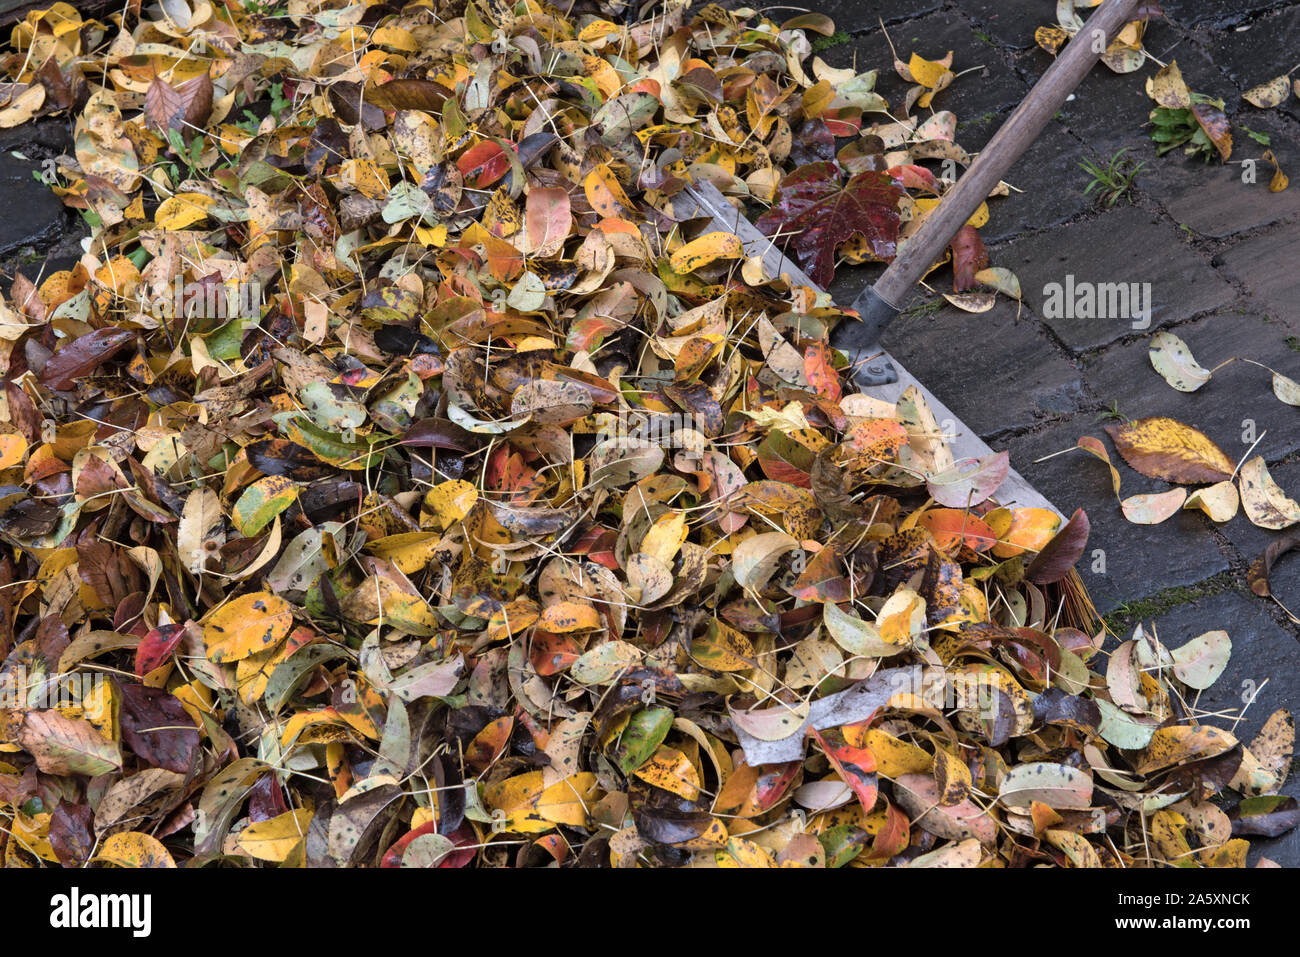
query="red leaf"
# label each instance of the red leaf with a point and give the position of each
(483, 164)
(915, 177)
(157, 728)
(893, 837)
(182, 108)
(856, 766)
(813, 215)
(968, 257)
(157, 647)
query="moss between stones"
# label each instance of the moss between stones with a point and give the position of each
(1130, 613)
(834, 40)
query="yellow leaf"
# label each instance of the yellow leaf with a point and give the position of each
(742, 853)
(1166, 449)
(604, 192)
(409, 551)
(133, 849)
(928, 73)
(1270, 94)
(708, 248)
(261, 502)
(450, 502)
(273, 839)
(569, 801)
(246, 625)
(665, 537)
(1279, 181)
(182, 210)
(818, 98)
(12, 449)
(1263, 499)
(567, 616)
(894, 757)
(671, 770)
(514, 792)
(1051, 39)
(978, 218)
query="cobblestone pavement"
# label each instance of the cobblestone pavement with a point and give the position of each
(1222, 257)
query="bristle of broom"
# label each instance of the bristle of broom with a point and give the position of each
(1077, 609)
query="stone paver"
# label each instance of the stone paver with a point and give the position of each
(1110, 110)
(1216, 201)
(1009, 22)
(1139, 560)
(852, 16)
(29, 213)
(1260, 50)
(1048, 178)
(1234, 407)
(1219, 13)
(1011, 377)
(1267, 265)
(1115, 248)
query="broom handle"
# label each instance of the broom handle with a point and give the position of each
(1016, 135)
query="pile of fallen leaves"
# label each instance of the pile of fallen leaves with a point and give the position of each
(400, 478)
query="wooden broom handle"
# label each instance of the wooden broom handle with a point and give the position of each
(1016, 135)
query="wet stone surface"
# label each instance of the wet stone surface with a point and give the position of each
(1104, 253)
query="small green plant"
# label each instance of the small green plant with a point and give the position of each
(279, 103)
(1112, 413)
(1175, 128)
(188, 155)
(837, 38)
(249, 123)
(1263, 139)
(1112, 181)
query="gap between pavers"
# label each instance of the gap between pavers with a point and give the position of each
(1268, 265)
(1126, 245)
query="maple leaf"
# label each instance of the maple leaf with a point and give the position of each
(813, 214)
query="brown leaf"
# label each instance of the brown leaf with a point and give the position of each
(84, 355)
(1167, 449)
(1056, 559)
(184, 108)
(1262, 567)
